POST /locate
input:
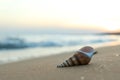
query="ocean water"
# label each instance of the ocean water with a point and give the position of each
(19, 47)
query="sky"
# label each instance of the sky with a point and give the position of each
(97, 15)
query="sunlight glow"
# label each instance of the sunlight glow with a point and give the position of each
(66, 13)
(113, 28)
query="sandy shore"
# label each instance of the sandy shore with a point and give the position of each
(104, 66)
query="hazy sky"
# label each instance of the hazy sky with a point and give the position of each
(83, 14)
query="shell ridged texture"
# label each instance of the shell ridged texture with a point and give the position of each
(78, 58)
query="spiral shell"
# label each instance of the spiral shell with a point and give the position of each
(81, 57)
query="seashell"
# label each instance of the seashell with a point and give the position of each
(81, 57)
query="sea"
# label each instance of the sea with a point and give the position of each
(26, 46)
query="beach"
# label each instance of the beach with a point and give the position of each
(39, 39)
(103, 66)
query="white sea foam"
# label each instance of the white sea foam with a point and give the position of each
(22, 47)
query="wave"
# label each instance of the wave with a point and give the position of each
(12, 43)
(17, 43)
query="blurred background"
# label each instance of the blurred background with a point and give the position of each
(35, 28)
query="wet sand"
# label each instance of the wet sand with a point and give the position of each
(103, 66)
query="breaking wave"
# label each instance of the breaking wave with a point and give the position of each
(17, 42)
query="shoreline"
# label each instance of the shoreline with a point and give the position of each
(20, 55)
(103, 66)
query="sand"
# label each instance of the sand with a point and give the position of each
(105, 65)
